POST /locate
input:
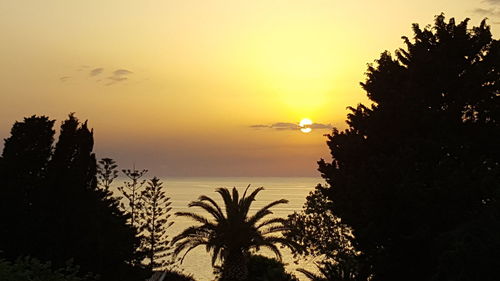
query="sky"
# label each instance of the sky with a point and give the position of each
(206, 87)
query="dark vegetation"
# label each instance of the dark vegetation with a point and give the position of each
(155, 220)
(32, 269)
(232, 234)
(51, 207)
(416, 175)
(56, 206)
(412, 191)
(261, 268)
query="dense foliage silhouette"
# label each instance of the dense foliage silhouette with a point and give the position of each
(324, 238)
(417, 173)
(261, 268)
(232, 234)
(51, 206)
(32, 269)
(107, 172)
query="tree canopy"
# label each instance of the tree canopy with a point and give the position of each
(51, 206)
(416, 174)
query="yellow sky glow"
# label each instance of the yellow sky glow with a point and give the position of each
(201, 73)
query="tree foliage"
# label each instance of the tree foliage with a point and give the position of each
(416, 174)
(322, 236)
(107, 172)
(57, 212)
(261, 268)
(131, 191)
(154, 222)
(232, 234)
(23, 170)
(32, 269)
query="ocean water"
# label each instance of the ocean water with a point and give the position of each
(184, 190)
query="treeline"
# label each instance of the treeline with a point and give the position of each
(56, 205)
(60, 221)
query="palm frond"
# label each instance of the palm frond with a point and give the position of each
(194, 216)
(214, 204)
(270, 222)
(181, 246)
(191, 248)
(231, 206)
(274, 229)
(265, 211)
(247, 201)
(207, 207)
(192, 231)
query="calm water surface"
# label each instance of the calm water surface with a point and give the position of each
(184, 190)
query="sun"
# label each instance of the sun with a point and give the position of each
(304, 125)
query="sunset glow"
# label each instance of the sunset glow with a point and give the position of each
(176, 86)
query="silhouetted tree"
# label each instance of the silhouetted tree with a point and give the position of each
(323, 236)
(67, 216)
(107, 172)
(417, 173)
(261, 268)
(131, 191)
(23, 168)
(232, 234)
(155, 219)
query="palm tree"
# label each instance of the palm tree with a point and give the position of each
(233, 234)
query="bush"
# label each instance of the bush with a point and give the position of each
(32, 269)
(171, 275)
(262, 268)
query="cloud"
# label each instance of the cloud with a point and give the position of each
(120, 72)
(491, 10)
(321, 126)
(64, 78)
(494, 2)
(285, 126)
(119, 75)
(117, 78)
(98, 74)
(259, 126)
(96, 71)
(486, 12)
(282, 126)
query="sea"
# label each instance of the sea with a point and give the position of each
(184, 190)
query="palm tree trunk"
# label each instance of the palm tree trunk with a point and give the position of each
(235, 267)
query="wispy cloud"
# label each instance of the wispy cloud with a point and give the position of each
(119, 75)
(120, 72)
(321, 126)
(98, 74)
(282, 126)
(258, 126)
(491, 10)
(96, 71)
(494, 2)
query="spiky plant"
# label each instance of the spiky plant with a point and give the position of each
(232, 234)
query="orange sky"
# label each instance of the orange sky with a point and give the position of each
(175, 86)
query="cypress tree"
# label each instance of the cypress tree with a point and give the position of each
(23, 166)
